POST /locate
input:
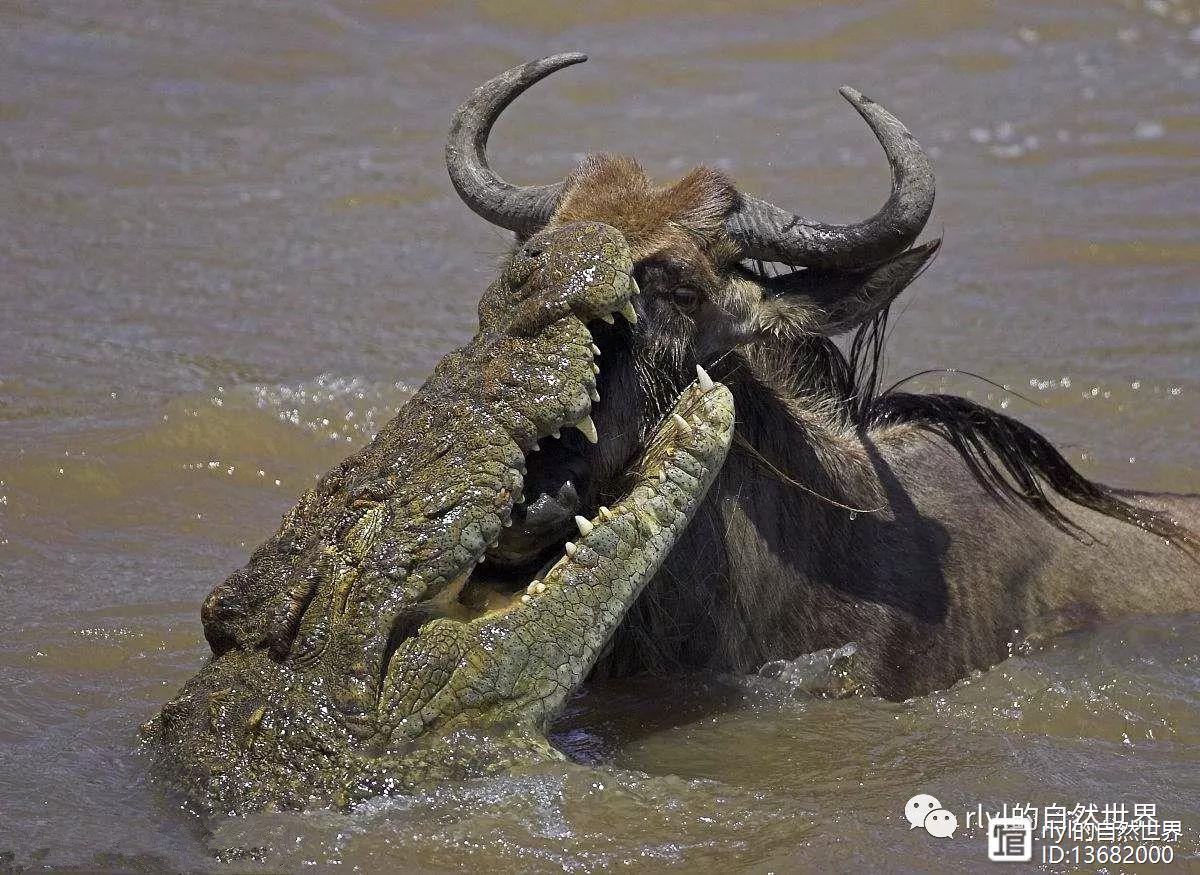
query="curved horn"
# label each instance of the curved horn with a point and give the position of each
(522, 209)
(769, 233)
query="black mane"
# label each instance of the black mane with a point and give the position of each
(1010, 460)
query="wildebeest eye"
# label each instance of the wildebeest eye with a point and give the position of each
(685, 297)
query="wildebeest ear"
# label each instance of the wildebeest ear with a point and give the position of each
(834, 302)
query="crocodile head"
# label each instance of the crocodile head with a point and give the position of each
(365, 648)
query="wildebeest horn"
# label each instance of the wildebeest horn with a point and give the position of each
(768, 233)
(523, 209)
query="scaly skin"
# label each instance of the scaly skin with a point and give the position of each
(319, 688)
(474, 698)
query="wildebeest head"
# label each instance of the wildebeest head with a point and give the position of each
(720, 271)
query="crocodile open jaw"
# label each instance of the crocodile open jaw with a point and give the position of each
(533, 648)
(362, 635)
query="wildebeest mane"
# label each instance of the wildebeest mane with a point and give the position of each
(1011, 461)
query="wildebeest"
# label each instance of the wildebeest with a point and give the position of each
(932, 531)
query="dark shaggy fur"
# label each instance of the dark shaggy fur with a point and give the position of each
(1009, 459)
(696, 614)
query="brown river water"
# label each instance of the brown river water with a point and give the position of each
(228, 248)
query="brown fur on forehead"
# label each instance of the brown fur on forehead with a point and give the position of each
(616, 190)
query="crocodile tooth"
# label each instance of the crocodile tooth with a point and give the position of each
(634, 288)
(630, 314)
(608, 317)
(588, 428)
(605, 513)
(595, 395)
(536, 447)
(570, 548)
(595, 349)
(706, 382)
(585, 525)
(483, 557)
(525, 599)
(556, 433)
(532, 589)
(595, 368)
(682, 424)
(662, 476)
(539, 587)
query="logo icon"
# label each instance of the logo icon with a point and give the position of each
(920, 805)
(941, 823)
(1010, 839)
(925, 810)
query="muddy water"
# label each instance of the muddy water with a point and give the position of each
(227, 246)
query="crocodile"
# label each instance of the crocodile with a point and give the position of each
(365, 649)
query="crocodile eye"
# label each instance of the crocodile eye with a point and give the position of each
(685, 298)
